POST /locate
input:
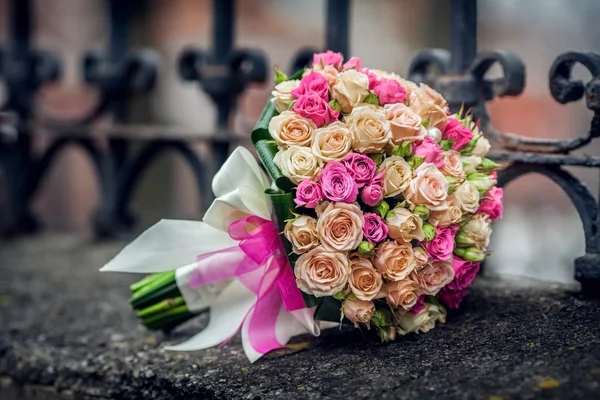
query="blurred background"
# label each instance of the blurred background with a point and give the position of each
(540, 234)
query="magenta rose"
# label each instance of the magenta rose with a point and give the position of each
(431, 152)
(451, 298)
(457, 133)
(373, 79)
(308, 194)
(440, 248)
(372, 193)
(314, 107)
(389, 91)
(360, 167)
(337, 184)
(419, 305)
(353, 62)
(374, 229)
(492, 203)
(464, 273)
(312, 83)
(328, 58)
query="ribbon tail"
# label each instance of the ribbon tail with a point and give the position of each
(259, 334)
(227, 314)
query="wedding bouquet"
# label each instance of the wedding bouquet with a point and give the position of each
(378, 215)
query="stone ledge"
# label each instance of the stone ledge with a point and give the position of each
(67, 328)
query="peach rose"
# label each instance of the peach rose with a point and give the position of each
(350, 89)
(290, 129)
(424, 321)
(478, 231)
(369, 127)
(430, 106)
(421, 258)
(322, 273)
(397, 175)
(405, 124)
(282, 95)
(402, 294)
(452, 214)
(340, 227)
(393, 260)
(403, 225)
(365, 282)
(332, 142)
(428, 188)
(358, 311)
(435, 276)
(302, 233)
(429, 95)
(466, 196)
(297, 163)
(453, 166)
(330, 73)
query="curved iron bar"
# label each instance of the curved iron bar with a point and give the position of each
(428, 65)
(303, 58)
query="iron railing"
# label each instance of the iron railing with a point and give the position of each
(224, 72)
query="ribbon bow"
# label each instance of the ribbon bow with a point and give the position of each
(235, 246)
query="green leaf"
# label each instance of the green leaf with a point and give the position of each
(266, 150)
(330, 309)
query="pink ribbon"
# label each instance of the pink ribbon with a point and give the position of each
(262, 266)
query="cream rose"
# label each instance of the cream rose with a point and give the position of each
(397, 175)
(393, 260)
(369, 127)
(350, 89)
(428, 188)
(435, 276)
(429, 95)
(448, 216)
(453, 166)
(358, 311)
(478, 231)
(332, 142)
(297, 163)
(466, 196)
(470, 163)
(403, 225)
(282, 95)
(322, 273)
(365, 282)
(424, 321)
(482, 147)
(405, 124)
(421, 258)
(302, 233)
(340, 227)
(290, 129)
(403, 294)
(430, 106)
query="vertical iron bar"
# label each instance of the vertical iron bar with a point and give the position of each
(21, 26)
(463, 37)
(223, 32)
(119, 29)
(338, 22)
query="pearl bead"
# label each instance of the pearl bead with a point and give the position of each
(435, 134)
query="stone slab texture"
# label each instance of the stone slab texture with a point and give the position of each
(66, 331)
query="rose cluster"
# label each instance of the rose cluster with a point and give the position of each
(395, 196)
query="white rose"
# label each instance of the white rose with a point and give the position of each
(470, 163)
(397, 175)
(290, 129)
(332, 142)
(350, 89)
(476, 232)
(297, 163)
(467, 197)
(423, 321)
(369, 127)
(482, 147)
(282, 95)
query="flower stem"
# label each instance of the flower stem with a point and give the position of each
(160, 307)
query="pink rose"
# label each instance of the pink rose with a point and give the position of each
(360, 167)
(464, 273)
(312, 83)
(328, 58)
(450, 298)
(455, 131)
(353, 62)
(314, 107)
(389, 91)
(492, 203)
(441, 246)
(373, 79)
(431, 152)
(433, 277)
(419, 306)
(374, 229)
(337, 184)
(308, 194)
(372, 194)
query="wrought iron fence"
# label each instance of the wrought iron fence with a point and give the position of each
(224, 72)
